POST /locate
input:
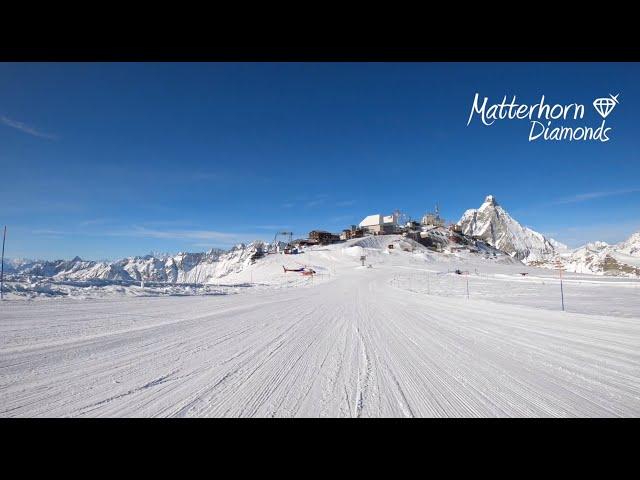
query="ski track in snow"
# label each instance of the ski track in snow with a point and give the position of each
(365, 343)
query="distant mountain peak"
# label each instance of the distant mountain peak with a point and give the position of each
(492, 224)
(631, 246)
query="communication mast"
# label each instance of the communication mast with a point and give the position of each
(433, 218)
(285, 235)
(400, 217)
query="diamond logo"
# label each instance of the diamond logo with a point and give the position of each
(604, 106)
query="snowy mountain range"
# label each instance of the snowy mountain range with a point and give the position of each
(180, 268)
(622, 259)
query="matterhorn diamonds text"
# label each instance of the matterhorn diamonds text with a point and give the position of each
(548, 120)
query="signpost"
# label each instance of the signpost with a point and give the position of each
(467, 278)
(560, 268)
(4, 236)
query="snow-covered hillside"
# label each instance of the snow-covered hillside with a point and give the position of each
(494, 225)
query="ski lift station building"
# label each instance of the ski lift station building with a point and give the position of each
(379, 224)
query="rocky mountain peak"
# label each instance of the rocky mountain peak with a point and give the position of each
(492, 224)
(490, 200)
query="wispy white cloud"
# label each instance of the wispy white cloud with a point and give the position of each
(94, 221)
(16, 206)
(572, 199)
(26, 128)
(211, 235)
(307, 201)
(45, 231)
(169, 223)
(341, 218)
(209, 176)
(272, 227)
(583, 197)
(317, 200)
(315, 203)
(202, 244)
(209, 238)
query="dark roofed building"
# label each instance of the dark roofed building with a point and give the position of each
(322, 237)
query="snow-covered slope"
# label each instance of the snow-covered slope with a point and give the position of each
(494, 225)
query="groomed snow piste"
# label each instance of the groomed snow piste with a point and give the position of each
(402, 336)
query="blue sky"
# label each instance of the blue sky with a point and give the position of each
(110, 160)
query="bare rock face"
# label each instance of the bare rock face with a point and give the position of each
(492, 224)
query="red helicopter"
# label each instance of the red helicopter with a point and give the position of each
(302, 270)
